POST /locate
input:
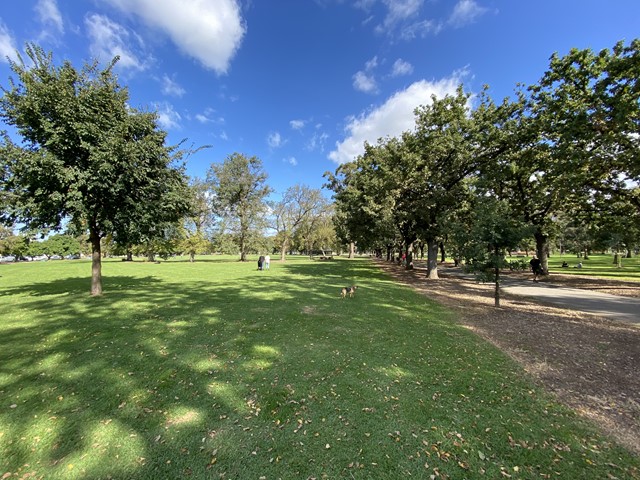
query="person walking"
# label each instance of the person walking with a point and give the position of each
(536, 267)
(267, 262)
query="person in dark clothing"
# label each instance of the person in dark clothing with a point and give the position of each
(536, 267)
(260, 262)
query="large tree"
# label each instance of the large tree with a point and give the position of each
(300, 205)
(87, 157)
(239, 197)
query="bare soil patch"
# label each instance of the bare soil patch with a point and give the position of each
(590, 363)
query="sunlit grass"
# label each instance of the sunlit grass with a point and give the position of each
(217, 370)
(598, 265)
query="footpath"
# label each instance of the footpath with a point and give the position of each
(610, 306)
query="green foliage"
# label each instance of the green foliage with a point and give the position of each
(239, 190)
(213, 369)
(301, 209)
(89, 159)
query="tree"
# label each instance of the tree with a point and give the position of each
(299, 204)
(580, 136)
(89, 158)
(486, 234)
(199, 221)
(239, 190)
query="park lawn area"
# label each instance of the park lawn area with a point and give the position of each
(213, 369)
(597, 266)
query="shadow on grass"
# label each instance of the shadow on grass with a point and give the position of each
(162, 378)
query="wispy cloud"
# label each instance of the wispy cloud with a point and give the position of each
(291, 161)
(7, 44)
(109, 39)
(168, 118)
(274, 140)
(297, 124)
(50, 17)
(400, 68)
(405, 19)
(209, 116)
(171, 87)
(365, 80)
(465, 12)
(209, 31)
(392, 118)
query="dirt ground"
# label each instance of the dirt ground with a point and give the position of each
(590, 363)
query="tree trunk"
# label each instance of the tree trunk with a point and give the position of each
(96, 264)
(283, 251)
(389, 253)
(497, 289)
(432, 259)
(443, 255)
(129, 256)
(352, 249)
(192, 257)
(409, 259)
(542, 250)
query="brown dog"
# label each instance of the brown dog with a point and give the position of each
(351, 291)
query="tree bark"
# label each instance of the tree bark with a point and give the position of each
(443, 255)
(409, 257)
(283, 251)
(497, 288)
(352, 249)
(96, 264)
(432, 259)
(542, 250)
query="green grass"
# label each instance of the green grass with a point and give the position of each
(597, 266)
(217, 370)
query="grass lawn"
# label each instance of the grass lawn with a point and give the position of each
(597, 266)
(217, 370)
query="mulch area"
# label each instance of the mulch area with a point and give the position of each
(589, 363)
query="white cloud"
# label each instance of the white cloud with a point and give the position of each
(400, 68)
(291, 161)
(171, 87)
(208, 116)
(7, 44)
(49, 15)
(168, 118)
(399, 11)
(365, 80)
(209, 31)
(465, 12)
(421, 29)
(392, 118)
(274, 140)
(317, 141)
(297, 124)
(109, 39)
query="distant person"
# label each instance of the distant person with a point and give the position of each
(267, 262)
(536, 267)
(565, 265)
(579, 265)
(260, 262)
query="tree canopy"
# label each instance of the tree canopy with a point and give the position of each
(87, 157)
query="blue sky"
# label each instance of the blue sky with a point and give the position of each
(301, 84)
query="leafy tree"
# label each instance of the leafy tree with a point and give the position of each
(60, 244)
(578, 136)
(239, 190)
(449, 145)
(300, 204)
(198, 223)
(486, 234)
(88, 157)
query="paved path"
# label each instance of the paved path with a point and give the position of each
(611, 306)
